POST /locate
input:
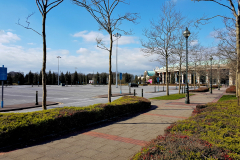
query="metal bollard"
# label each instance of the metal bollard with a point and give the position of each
(32, 85)
(184, 89)
(134, 92)
(163, 87)
(154, 89)
(142, 92)
(129, 90)
(36, 98)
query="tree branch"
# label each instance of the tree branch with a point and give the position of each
(27, 27)
(198, 21)
(59, 1)
(40, 8)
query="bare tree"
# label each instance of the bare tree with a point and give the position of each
(236, 13)
(162, 36)
(226, 48)
(44, 7)
(102, 12)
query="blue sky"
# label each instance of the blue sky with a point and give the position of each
(71, 33)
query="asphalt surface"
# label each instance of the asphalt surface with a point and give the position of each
(74, 95)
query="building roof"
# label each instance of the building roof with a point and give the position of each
(150, 73)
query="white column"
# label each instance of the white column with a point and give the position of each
(182, 77)
(198, 78)
(190, 78)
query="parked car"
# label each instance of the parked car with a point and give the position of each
(133, 84)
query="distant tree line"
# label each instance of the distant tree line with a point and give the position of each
(67, 78)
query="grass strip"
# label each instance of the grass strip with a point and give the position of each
(227, 97)
(171, 97)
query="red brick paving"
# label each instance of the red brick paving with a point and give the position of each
(175, 107)
(183, 103)
(116, 138)
(164, 115)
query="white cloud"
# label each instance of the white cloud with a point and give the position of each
(127, 40)
(58, 52)
(92, 58)
(194, 42)
(83, 50)
(10, 30)
(64, 51)
(7, 37)
(92, 35)
(31, 43)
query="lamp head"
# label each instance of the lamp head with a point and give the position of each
(186, 33)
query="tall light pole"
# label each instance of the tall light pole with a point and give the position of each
(58, 68)
(186, 34)
(118, 36)
(211, 74)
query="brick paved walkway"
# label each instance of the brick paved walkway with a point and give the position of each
(119, 140)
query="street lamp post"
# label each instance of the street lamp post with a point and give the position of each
(58, 68)
(117, 35)
(211, 74)
(186, 34)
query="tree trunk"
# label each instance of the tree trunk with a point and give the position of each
(44, 62)
(238, 55)
(110, 70)
(180, 76)
(167, 90)
(236, 85)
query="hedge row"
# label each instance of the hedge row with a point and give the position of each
(17, 127)
(231, 89)
(203, 89)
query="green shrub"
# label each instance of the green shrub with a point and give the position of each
(177, 146)
(218, 123)
(201, 89)
(213, 132)
(16, 127)
(231, 89)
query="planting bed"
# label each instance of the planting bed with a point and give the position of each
(21, 127)
(213, 132)
(202, 89)
(231, 89)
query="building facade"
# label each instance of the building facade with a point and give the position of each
(200, 72)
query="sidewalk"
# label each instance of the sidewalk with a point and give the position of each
(118, 140)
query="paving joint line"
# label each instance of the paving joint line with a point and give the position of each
(116, 138)
(160, 115)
